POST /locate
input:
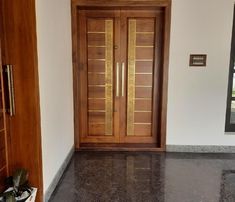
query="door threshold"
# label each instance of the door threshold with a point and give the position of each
(120, 147)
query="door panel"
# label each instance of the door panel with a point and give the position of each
(97, 39)
(101, 83)
(141, 31)
(119, 75)
(141, 119)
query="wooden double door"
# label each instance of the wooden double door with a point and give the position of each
(120, 60)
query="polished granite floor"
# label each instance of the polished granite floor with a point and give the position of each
(147, 177)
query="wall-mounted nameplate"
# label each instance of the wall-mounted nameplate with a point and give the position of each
(197, 60)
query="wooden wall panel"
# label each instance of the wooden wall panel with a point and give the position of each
(4, 168)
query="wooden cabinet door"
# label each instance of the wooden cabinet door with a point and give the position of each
(98, 35)
(119, 68)
(141, 55)
(19, 48)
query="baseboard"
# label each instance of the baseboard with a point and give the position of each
(58, 175)
(200, 149)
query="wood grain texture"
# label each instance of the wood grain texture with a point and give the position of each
(157, 87)
(118, 3)
(4, 159)
(165, 70)
(19, 46)
(120, 147)
(76, 84)
(2, 140)
(3, 174)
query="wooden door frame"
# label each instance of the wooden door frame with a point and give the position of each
(149, 4)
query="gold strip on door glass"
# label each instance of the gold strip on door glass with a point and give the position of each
(108, 77)
(131, 77)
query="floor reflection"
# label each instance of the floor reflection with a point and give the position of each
(147, 177)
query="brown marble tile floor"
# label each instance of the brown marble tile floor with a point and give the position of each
(147, 177)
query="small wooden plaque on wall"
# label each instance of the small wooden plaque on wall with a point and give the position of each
(197, 60)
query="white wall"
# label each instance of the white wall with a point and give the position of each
(55, 76)
(197, 96)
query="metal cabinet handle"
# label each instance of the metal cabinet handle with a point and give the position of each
(10, 81)
(123, 77)
(117, 79)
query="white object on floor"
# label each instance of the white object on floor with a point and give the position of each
(32, 198)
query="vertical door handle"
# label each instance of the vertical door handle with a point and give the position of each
(10, 83)
(117, 79)
(123, 78)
